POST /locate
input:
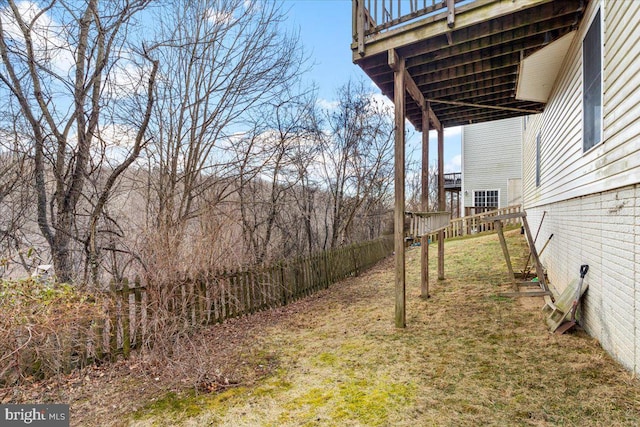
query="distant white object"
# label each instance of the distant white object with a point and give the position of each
(42, 272)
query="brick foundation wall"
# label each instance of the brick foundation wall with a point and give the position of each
(602, 230)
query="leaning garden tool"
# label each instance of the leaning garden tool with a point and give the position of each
(535, 239)
(527, 267)
(564, 327)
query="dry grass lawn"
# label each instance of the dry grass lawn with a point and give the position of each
(467, 357)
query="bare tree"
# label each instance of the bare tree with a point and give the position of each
(304, 162)
(220, 60)
(98, 209)
(61, 63)
(15, 201)
(357, 158)
(277, 157)
(414, 184)
(203, 119)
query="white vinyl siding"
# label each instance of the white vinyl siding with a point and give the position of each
(491, 156)
(566, 171)
(620, 156)
(529, 153)
(538, 160)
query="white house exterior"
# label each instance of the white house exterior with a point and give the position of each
(581, 164)
(492, 163)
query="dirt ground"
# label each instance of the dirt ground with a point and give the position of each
(467, 357)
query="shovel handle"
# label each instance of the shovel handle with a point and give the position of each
(574, 307)
(583, 270)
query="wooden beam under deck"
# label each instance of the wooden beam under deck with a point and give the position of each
(486, 106)
(515, 27)
(446, 74)
(476, 115)
(417, 96)
(478, 80)
(471, 91)
(525, 39)
(493, 55)
(463, 85)
(496, 47)
(446, 111)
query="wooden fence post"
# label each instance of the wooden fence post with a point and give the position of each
(126, 336)
(224, 296)
(99, 338)
(113, 328)
(138, 316)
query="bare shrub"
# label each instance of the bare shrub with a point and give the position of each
(180, 264)
(45, 329)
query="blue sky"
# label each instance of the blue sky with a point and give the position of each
(325, 31)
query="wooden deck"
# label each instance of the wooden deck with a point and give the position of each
(449, 63)
(462, 57)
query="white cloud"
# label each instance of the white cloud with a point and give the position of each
(127, 78)
(454, 164)
(47, 36)
(117, 135)
(113, 143)
(221, 17)
(231, 141)
(327, 105)
(52, 50)
(453, 131)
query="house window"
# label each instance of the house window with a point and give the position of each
(592, 85)
(486, 198)
(538, 138)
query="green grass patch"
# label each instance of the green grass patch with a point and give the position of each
(369, 402)
(326, 358)
(501, 299)
(173, 406)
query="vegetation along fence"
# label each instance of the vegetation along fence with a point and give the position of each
(129, 314)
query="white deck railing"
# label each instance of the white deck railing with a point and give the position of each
(457, 227)
(380, 15)
(421, 223)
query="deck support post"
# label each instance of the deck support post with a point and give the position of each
(397, 65)
(424, 241)
(451, 14)
(441, 201)
(358, 6)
